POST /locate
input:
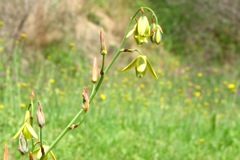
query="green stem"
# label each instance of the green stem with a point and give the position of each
(41, 136)
(95, 89)
(66, 129)
(31, 121)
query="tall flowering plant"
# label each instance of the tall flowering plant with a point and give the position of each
(32, 144)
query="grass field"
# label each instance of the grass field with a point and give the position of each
(190, 112)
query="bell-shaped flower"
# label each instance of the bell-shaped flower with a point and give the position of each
(38, 153)
(26, 128)
(143, 27)
(141, 31)
(141, 64)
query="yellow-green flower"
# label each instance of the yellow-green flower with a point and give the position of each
(26, 128)
(141, 31)
(38, 153)
(141, 65)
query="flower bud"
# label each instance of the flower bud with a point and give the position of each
(94, 71)
(22, 144)
(103, 50)
(32, 95)
(156, 36)
(40, 116)
(85, 100)
(5, 153)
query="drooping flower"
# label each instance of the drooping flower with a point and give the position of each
(141, 64)
(141, 31)
(26, 128)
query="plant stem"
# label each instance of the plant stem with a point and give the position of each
(97, 86)
(66, 129)
(31, 121)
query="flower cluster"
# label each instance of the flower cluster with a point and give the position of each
(142, 31)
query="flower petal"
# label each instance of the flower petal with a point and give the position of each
(130, 32)
(131, 65)
(52, 155)
(19, 131)
(31, 130)
(150, 69)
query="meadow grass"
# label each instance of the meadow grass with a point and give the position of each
(188, 113)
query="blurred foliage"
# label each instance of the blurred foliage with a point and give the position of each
(200, 28)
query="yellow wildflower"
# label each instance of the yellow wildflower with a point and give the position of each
(197, 94)
(102, 96)
(22, 105)
(23, 36)
(201, 140)
(51, 80)
(1, 106)
(200, 74)
(231, 86)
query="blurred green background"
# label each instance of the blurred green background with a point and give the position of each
(190, 112)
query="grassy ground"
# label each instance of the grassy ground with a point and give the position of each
(190, 112)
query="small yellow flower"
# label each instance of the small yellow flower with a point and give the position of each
(188, 100)
(49, 57)
(197, 94)
(63, 70)
(198, 87)
(1, 106)
(187, 68)
(225, 82)
(102, 96)
(52, 81)
(22, 105)
(201, 140)
(206, 104)
(216, 89)
(200, 74)
(71, 45)
(161, 100)
(231, 86)
(142, 86)
(23, 84)
(23, 36)
(73, 68)
(1, 23)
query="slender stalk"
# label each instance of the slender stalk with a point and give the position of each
(31, 121)
(97, 86)
(66, 129)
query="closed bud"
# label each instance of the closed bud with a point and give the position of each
(103, 50)
(32, 95)
(94, 71)
(40, 116)
(85, 100)
(22, 144)
(5, 153)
